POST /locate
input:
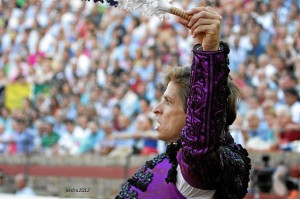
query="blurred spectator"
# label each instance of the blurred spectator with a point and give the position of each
(82, 130)
(237, 54)
(145, 108)
(284, 120)
(124, 147)
(288, 131)
(260, 136)
(22, 139)
(2, 182)
(128, 100)
(37, 141)
(5, 118)
(146, 131)
(4, 186)
(4, 138)
(68, 144)
(286, 80)
(49, 137)
(269, 115)
(22, 189)
(145, 136)
(271, 95)
(269, 70)
(159, 90)
(108, 143)
(116, 112)
(279, 181)
(58, 120)
(292, 99)
(95, 138)
(236, 131)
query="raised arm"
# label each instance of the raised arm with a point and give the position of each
(206, 106)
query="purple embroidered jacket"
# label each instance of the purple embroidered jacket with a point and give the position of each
(208, 156)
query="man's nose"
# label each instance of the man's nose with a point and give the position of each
(157, 109)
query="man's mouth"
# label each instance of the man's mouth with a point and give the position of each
(157, 124)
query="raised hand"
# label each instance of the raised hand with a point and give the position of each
(205, 25)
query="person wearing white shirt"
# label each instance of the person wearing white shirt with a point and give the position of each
(292, 99)
(21, 186)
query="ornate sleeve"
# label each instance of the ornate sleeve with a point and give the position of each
(206, 118)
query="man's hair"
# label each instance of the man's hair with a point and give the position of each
(234, 96)
(181, 76)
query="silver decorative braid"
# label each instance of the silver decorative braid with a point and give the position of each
(159, 8)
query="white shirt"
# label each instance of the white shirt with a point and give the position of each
(26, 191)
(81, 133)
(295, 112)
(190, 192)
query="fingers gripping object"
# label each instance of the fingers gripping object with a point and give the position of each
(159, 8)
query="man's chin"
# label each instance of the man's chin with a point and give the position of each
(160, 136)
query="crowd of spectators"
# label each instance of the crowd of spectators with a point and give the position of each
(103, 69)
